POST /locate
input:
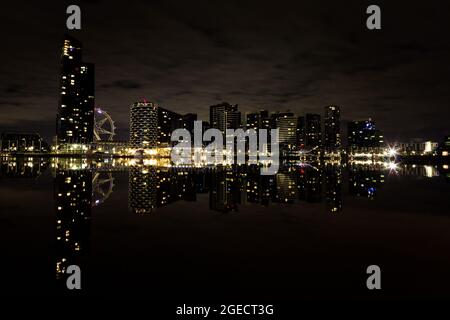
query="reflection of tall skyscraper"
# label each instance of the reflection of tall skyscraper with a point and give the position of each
(332, 128)
(258, 187)
(364, 181)
(286, 186)
(142, 189)
(202, 180)
(333, 188)
(224, 195)
(144, 125)
(309, 184)
(75, 118)
(73, 193)
(175, 184)
(224, 116)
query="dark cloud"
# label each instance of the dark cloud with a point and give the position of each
(123, 84)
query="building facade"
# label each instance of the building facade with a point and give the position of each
(19, 142)
(313, 131)
(364, 137)
(144, 125)
(224, 116)
(332, 128)
(286, 123)
(168, 121)
(417, 147)
(75, 118)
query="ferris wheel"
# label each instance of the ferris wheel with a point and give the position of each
(104, 129)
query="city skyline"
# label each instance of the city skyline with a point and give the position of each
(283, 70)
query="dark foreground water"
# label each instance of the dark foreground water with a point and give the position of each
(138, 230)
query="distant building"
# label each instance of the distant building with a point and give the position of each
(445, 147)
(301, 132)
(417, 147)
(286, 123)
(19, 142)
(332, 128)
(187, 122)
(75, 118)
(144, 125)
(313, 131)
(252, 121)
(364, 137)
(258, 120)
(168, 121)
(224, 116)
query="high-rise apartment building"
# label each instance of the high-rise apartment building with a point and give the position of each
(313, 131)
(144, 125)
(224, 116)
(286, 123)
(75, 118)
(363, 136)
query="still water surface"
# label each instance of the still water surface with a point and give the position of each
(139, 230)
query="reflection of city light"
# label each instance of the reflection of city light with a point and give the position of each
(392, 166)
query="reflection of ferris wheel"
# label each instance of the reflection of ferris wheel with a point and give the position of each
(102, 187)
(104, 129)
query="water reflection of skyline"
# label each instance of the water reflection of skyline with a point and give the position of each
(153, 184)
(79, 185)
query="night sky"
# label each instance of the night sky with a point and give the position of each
(188, 55)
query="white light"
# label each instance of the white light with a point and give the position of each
(392, 166)
(392, 152)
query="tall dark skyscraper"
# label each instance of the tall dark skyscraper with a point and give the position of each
(75, 118)
(332, 128)
(187, 122)
(363, 136)
(313, 130)
(253, 121)
(301, 132)
(168, 121)
(224, 116)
